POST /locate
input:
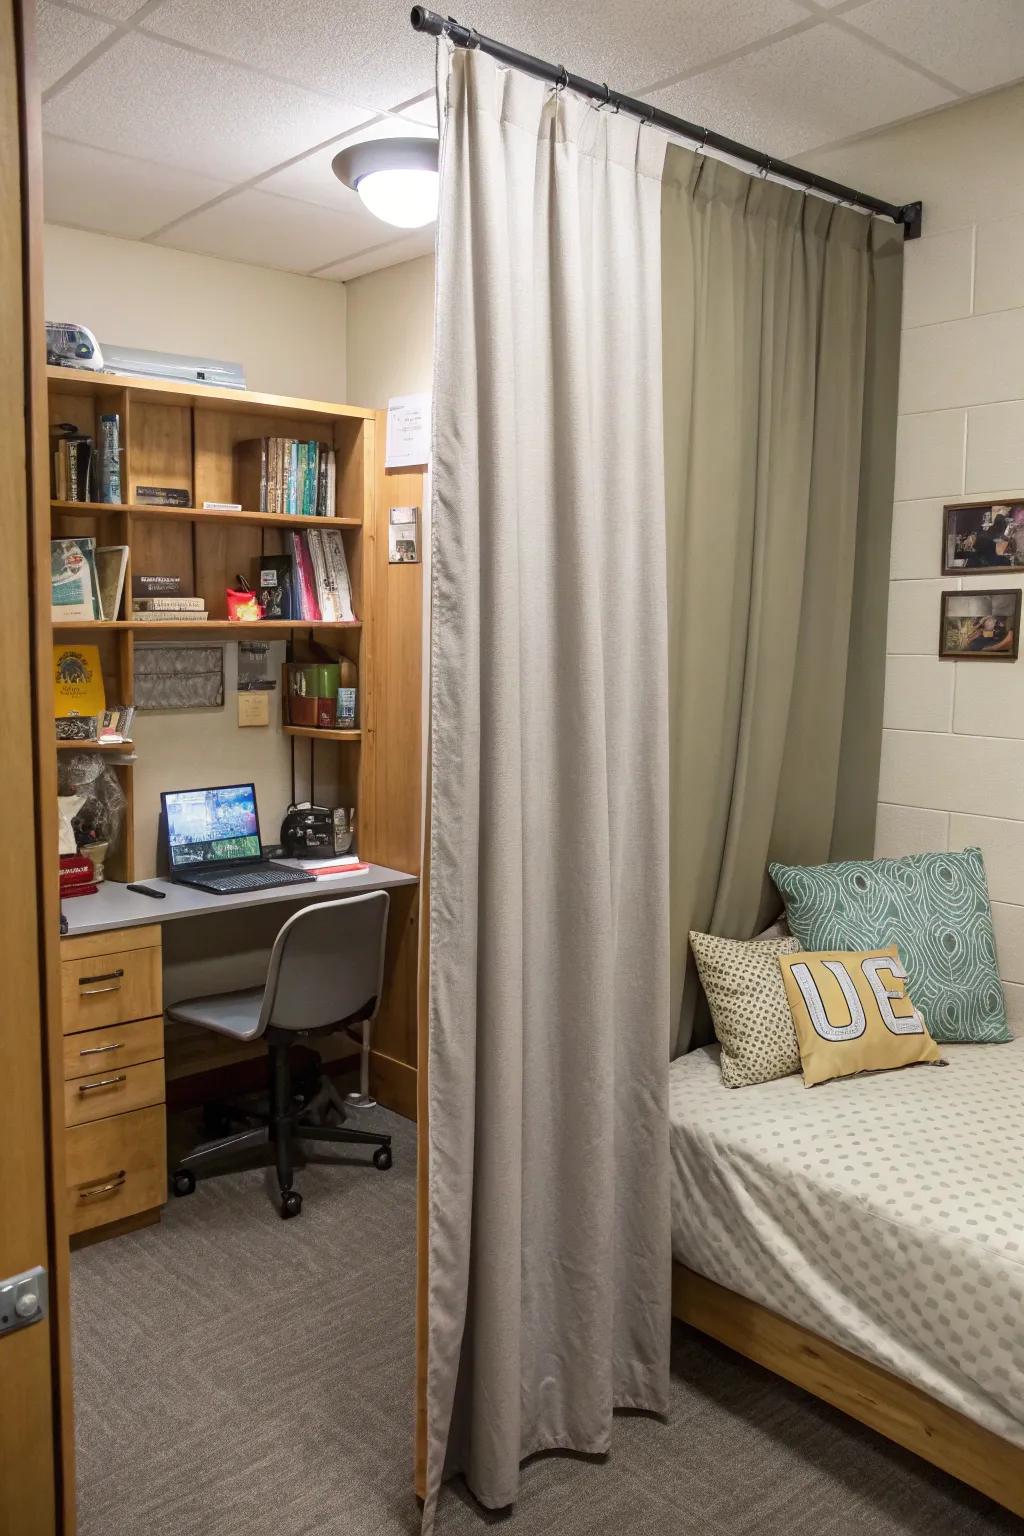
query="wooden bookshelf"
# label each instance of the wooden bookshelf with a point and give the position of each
(183, 436)
(95, 746)
(321, 733)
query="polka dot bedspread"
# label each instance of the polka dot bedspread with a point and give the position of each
(883, 1212)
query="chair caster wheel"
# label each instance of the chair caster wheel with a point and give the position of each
(382, 1158)
(291, 1204)
(183, 1181)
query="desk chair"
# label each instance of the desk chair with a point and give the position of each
(325, 975)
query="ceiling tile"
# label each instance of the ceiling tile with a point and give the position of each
(796, 93)
(312, 180)
(269, 231)
(423, 111)
(982, 49)
(116, 194)
(116, 10)
(361, 50)
(633, 46)
(389, 254)
(63, 38)
(183, 109)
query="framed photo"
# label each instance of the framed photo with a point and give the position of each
(983, 536)
(980, 626)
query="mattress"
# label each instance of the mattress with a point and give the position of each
(885, 1213)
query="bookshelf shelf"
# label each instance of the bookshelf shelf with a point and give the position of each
(206, 626)
(317, 733)
(141, 509)
(96, 746)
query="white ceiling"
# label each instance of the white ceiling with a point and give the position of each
(210, 125)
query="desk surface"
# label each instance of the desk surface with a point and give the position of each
(115, 906)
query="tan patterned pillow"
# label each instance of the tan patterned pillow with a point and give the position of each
(749, 1007)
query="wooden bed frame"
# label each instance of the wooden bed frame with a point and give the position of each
(894, 1408)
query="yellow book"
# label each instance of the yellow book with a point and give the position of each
(77, 681)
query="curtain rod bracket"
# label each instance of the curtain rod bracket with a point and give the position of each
(907, 215)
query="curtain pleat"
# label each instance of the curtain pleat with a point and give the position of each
(781, 337)
(549, 1257)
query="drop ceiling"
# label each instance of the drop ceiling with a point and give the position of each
(210, 125)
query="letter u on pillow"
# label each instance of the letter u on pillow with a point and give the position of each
(852, 1013)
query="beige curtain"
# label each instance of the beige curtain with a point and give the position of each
(781, 343)
(549, 1258)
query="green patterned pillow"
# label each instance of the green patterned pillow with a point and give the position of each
(934, 907)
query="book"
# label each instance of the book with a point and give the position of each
(224, 506)
(274, 581)
(74, 592)
(155, 586)
(308, 605)
(77, 681)
(285, 476)
(162, 616)
(175, 604)
(108, 476)
(333, 545)
(162, 496)
(76, 727)
(324, 590)
(72, 462)
(111, 565)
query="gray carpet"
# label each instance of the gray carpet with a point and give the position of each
(237, 1375)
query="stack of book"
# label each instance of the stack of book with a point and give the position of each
(80, 473)
(283, 475)
(309, 580)
(320, 585)
(86, 580)
(72, 464)
(159, 600)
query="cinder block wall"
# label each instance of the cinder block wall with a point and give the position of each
(953, 755)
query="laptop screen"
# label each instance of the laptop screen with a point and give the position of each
(212, 826)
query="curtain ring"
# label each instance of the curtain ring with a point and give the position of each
(560, 85)
(649, 119)
(765, 168)
(607, 98)
(702, 146)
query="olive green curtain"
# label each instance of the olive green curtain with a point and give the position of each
(780, 319)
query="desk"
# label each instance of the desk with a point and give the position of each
(115, 906)
(113, 993)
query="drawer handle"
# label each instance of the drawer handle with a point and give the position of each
(103, 1189)
(103, 1082)
(86, 982)
(101, 1050)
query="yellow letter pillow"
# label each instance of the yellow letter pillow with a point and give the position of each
(852, 1013)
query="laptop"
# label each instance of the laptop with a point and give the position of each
(214, 844)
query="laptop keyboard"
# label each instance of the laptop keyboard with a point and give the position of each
(258, 879)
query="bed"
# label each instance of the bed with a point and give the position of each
(865, 1239)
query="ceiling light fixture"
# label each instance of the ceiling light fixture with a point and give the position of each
(396, 178)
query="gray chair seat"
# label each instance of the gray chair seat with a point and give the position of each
(236, 1014)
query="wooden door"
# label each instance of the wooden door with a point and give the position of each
(36, 1476)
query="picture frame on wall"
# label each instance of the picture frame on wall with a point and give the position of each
(983, 537)
(980, 626)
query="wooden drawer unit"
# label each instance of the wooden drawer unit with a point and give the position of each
(110, 989)
(115, 1168)
(95, 1051)
(113, 1091)
(115, 1129)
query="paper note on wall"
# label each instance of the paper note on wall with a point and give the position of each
(408, 436)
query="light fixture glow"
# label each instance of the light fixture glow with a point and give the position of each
(396, 178)
(406, 198)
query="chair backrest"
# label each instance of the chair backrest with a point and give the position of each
(327, 964)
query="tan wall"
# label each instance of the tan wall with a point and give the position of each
(289, 333)
(391, 332)
(953, 755)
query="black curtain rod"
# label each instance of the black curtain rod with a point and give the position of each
(908, 215)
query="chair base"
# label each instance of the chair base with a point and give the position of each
(288, 1121)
